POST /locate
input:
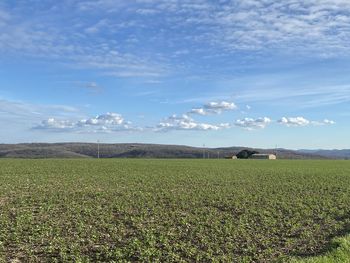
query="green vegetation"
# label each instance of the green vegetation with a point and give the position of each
(339, 253)
(91, 210)
(245, 154)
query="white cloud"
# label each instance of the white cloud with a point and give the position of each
(294, 121)
(103, 120)
(220, 106)
(54, 124)
(326, 121)
(214, 108)
(199, 111)
(253, 124)
(184, 122)
(301, 121)
(105, 123)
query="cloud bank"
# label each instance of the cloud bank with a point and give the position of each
(105, 123)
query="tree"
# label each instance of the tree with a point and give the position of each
(245, 154)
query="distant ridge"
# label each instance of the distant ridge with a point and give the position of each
(136, 150)
(336, 154)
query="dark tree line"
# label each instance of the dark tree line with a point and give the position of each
(245, 154)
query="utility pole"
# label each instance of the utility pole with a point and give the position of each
(203, 151)
(276, 150)
(98, 149)
(218, 155)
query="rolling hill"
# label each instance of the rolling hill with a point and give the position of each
(336, 154)
(132, 150)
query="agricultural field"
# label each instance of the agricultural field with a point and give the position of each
(139, 210)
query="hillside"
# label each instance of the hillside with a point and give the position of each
(129, 150)
(336, 154)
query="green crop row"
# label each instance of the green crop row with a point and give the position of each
(171, 210)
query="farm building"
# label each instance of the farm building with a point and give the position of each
(234, 157)
(263, 156)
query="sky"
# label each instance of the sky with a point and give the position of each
(258, 73)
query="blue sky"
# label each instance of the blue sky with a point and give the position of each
(258, 73)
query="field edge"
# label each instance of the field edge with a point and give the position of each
(340, 252)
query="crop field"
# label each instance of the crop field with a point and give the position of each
(133, 210)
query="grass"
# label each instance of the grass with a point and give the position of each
(339, 253)
(174, 210)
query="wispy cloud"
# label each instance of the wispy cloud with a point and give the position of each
(95, 28)
(297, 95)
(74, 46)
(105, 5)
(291, 25)
(147, 11)
(24, 110)
(4, 17)
(90, 86)
(313, 28)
